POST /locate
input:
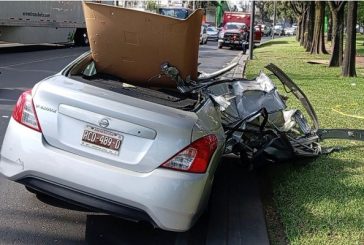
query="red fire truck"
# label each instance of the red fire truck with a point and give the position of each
(235, 30)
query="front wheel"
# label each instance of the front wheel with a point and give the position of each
(219, 46)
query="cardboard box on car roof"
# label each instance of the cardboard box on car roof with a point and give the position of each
(133, 45)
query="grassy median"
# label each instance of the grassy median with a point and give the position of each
(321, 202)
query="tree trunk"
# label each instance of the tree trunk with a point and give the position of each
(299, 9)
(299, 29)
(318, 42)
(337, 39)
(350, 47)
(309, 26)
(329, 29)
(303, 28)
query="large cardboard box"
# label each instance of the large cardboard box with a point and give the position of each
(132, 44)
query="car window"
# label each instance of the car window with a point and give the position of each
(167, 12)
(233, 26)
(90, 70)
(176, 13)
(211, 29)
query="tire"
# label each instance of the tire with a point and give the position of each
(205, 41)
(219, 46)
(81, 38)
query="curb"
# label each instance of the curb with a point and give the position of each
(239, 70)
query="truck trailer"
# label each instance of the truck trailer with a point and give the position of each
(36, 22)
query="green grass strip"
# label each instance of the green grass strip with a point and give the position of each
(321, 202)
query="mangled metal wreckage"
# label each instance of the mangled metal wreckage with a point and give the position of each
(157, 57)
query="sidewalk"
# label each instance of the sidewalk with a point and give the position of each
(10, 45)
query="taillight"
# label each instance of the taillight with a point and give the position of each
(196, 157)
(24, 111)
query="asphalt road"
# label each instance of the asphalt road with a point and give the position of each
(24, 219)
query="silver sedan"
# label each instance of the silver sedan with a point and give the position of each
(132, 152)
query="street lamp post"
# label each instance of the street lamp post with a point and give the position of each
(251, 36)
(274, 18)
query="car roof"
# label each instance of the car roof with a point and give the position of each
(235, 23)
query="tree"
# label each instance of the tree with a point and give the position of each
(284, 11)
(337, 13)
(329, 28)
(299, 9)
(350, 47)
(318, 41)
(152, 6)
(263, 9)
(309, 26)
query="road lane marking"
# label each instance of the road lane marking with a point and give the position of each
(41, 60)
(6, 100)
(27, 70)
(15, 88)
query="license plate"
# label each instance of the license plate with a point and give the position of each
(101, 139)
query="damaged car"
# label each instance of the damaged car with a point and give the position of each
(132, 129)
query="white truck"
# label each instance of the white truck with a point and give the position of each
(36, 22)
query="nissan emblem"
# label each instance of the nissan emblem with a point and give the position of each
(104, 123)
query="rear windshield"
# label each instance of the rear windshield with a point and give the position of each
(233, 26)
(176, 13)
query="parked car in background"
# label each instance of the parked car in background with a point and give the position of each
(203, 35)
(267, 30)
(278, 30)
(360, 29)
(290, 31)
(212, 33)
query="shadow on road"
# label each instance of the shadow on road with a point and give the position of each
(235, 216)
(272, 43)
(105, 229)
(30, 48)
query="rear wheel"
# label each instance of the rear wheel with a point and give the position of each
(219, 45)
(81, 38)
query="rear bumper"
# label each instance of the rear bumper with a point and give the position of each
(228, 43)
(85, 200)
(172, 200)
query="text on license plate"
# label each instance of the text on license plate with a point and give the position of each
(101, 139)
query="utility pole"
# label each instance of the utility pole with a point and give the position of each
(251, 34)
(274, 18)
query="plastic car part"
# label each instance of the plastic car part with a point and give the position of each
(286, 81)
